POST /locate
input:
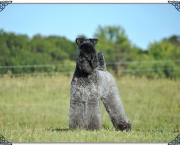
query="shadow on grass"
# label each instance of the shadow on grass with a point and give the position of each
(58, 129)
(105, 127)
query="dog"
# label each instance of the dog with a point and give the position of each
(91, 83)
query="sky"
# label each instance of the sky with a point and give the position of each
(143, 23)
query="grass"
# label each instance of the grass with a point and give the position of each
(36, 109)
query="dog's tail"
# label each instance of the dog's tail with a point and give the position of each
(101, 61)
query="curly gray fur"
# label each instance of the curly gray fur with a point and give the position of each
(90, 84)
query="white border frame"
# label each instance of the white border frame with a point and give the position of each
(91, 1)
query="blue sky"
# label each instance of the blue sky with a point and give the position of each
(143, 23)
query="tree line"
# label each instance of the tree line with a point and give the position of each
(160, 59)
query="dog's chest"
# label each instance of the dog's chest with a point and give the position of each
(85, 89)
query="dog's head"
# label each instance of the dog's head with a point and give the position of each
(86, 59)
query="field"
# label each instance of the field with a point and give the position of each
(36, 109)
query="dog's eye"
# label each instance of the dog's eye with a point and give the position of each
(80, 53)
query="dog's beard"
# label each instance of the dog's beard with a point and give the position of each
(87, 59)
(87, 65)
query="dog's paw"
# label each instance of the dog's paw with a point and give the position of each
(125, 126)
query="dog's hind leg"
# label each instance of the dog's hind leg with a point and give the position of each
(115, 109)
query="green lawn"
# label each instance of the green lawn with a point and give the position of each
(36, 109)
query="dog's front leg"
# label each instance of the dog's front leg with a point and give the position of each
(77, 108)
(76, 119)
(94, 115)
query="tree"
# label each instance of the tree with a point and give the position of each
(114, 44)
(167, 53)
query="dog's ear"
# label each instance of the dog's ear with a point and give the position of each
(79, 41)
(94, 41)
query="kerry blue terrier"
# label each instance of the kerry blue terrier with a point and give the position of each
(90, 84)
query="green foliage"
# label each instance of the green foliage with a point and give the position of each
(114, 44)
(169, 52)
(19, 50)
(160, 59)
